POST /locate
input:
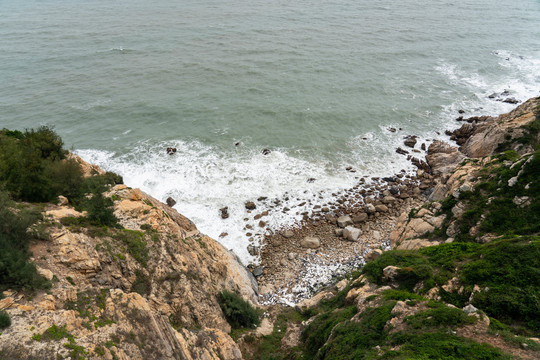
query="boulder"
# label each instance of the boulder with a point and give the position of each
(360, 217)
(344, 221)
(351, 233)
(170, 201)
(381, 208)
(310, 242)
(250, 205)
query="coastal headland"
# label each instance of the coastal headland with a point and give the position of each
(440, 263)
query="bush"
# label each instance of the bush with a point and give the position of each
(15, 270)
(238, 312)
(5, 321)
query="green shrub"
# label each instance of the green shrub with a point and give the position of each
(440, 345)
(441, 315)
(15, 270)
(136, 245)
(354, 340)
(142, 283)
(238, 312)
(5, 321)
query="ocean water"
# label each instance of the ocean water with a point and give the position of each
(319, 83)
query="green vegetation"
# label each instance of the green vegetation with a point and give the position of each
(15, 236)
(238, 312)
(141, 284)
(5, 321)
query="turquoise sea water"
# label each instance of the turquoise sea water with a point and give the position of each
(318, 83)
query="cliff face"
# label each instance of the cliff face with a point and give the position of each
(145, 291)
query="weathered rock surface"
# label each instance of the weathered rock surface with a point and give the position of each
(176, 271)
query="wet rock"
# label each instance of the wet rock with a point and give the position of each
(262, 223)
(310, 242)
(171, 150)
(262, 198)
(250, 205)
(170, 201)
(266, 151)
(253, 250)
(401, 151)
(410, 141)
(224, 212)
(511, 100)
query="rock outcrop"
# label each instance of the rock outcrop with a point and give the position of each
(145, 291)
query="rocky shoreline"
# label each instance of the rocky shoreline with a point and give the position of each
(372, 216)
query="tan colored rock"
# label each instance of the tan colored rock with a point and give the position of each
(46, 273)
(443, 158)
(373, 254)
(416, 244)
(310, 242)
(313, 301)
(6, 303)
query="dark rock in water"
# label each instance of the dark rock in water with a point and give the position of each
(253, 250)
(250, 205)
(511, 101)
(401, 151)
(224, 212)
(310, 180)
(423, 147)
(262, 223)
(391, 129)
(389, 179)
(237, 143)
(448, 132)
(170, 201)
(393, 190)
(461, 111)
(262, 198)
(459, 118)
(171, 150)
(223, 234)
(505, 93)
(493, 96)
(266, 151)
(258, 271)
(410, 141)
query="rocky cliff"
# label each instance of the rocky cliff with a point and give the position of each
(144, 289)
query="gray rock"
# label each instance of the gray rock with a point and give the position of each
(310, 242)
(351, 233)
(469, 309)
(258, 271)
(370, 209)
(512, 181)
(344, 221)
(381, 208)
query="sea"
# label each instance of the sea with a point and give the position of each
(321, 85)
